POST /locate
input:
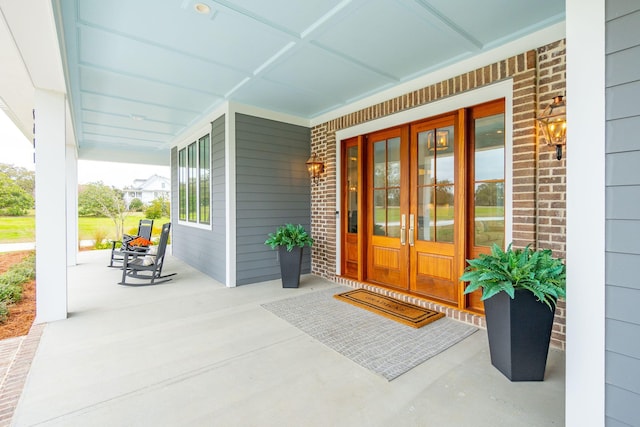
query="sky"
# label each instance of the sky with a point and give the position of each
(17, 150)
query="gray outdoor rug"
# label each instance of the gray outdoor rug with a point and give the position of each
(381, 345)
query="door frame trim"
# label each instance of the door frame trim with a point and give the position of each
(502, 89)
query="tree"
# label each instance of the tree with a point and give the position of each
(14, 201)
(136, 205)
(157, 209)
(490, 194)
(24, 178)
(97, 199)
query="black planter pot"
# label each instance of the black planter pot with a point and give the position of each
(519, 331)
(290, 266)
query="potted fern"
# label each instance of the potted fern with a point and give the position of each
(520, 288)
(289, 239)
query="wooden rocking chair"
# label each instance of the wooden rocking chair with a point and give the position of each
(145, 226)
(149, 266)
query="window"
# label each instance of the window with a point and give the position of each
(204, 179)
(192, 179)
(194, 182)
(488, 175)
(182, 184)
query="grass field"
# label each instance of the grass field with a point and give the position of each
(22, 228)
(89, 228)
(16, 229)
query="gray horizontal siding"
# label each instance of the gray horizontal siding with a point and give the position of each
(624, 371)
(618, 271)
(621, 407)
(625, 64)
(623, 236)
(618, 132)
(622, 202)
(617, 339)
(621, 304)
(205, 250)
(622, 229)
(622, 31)
(622, 168)
(272, 188)
(618, 8)
(622, 101)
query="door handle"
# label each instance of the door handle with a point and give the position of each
(403, 229)
(411, 230)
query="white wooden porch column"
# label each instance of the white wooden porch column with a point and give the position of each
(72, 203)
(51, 205)
(586, 121)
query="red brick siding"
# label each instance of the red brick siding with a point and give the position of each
(552, 174)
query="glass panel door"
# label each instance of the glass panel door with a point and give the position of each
(351, 240)
(388, 207)
(432, 219)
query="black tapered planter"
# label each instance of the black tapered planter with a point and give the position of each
(519, 331)
(290, 266)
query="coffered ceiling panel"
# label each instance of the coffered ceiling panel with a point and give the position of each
(139, 73)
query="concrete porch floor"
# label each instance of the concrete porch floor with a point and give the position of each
(194, 353)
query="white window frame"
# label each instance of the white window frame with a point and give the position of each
(185, 146)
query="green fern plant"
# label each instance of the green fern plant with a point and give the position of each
(505, 271)
(289, 235)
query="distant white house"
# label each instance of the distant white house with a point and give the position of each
(147, 190)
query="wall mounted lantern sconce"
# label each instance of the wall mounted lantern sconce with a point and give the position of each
(553, 123)
(315, 166)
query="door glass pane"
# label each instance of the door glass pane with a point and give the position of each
(426, 224)
(444, 213)
(393, 165)
(380, 212)
(386, 193)
(379, 164)
(489, 214)
(435, 180)
(352, 189)
(444, 155)
(489, 152)
(489, 181)
(393, 212)
(426, 158)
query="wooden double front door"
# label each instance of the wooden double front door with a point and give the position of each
(430, 191)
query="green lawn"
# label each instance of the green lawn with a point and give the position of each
(89, 227)
(22, 228)
(16, 229)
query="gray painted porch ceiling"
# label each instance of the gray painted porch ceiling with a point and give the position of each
(141, 72)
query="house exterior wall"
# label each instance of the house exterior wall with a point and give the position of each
(148, 190)
(622, 229)
(538, 179)
(272, 188)
(204, 249)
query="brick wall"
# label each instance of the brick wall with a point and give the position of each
(552, 174)
(538, 178)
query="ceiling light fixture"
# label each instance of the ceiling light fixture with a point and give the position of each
(136, 117)
(202, 8)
